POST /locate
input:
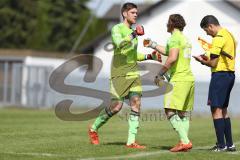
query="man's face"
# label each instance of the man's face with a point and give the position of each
(210, 30)
(131, 15)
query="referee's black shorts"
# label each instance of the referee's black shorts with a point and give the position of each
(220, 88)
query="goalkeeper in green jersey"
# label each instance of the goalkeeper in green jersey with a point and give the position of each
(180, 100)
(125, 78)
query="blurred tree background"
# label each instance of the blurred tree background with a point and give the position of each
(50, 25)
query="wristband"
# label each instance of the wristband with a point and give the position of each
(154, 45)
(163, 70)
(133, 35)
(161, 73)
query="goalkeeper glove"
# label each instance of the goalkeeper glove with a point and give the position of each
(149, 43)
(139, 31)
(154, 56)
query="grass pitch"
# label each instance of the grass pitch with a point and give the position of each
(38, 135)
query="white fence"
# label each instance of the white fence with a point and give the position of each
(24, 84)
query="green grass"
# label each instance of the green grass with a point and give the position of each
(38, 134)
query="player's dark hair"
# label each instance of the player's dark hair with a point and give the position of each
(127, 6)
(209, 19)
(176, 21)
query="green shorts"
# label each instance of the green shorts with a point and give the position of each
(181, 97)
(125, 87)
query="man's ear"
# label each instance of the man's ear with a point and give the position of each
(125, 14)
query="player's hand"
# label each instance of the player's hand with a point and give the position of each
(139, 30)
(198, 58)
(154, 56)
(149, 43)
(158, 79)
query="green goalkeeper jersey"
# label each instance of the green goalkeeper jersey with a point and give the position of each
(125, 56)
(180, 70)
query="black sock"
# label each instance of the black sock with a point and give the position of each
(219, 125)
(228, 132)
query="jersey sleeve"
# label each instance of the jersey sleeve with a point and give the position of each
(172, 43)
(140, 56)
(217, 45)
(117, 38)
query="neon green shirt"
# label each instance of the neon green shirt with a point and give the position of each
(125, 56)
(180, 70)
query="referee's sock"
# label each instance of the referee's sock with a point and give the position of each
(228, 132)
(219, 125)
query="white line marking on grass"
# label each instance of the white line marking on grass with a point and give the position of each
(41, 154)
(137, 155)
(145, 154)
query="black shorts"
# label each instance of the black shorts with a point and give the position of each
(220, 88)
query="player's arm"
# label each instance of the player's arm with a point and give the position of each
(152, 44)
(120, 41)
(152, 56)
(172, 50)
(172, 58)
(141, 57)
(117, 38)
(161, 49)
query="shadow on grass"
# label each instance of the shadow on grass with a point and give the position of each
(162, 147)
(115, 143)
(202, 149)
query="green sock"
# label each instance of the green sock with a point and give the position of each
(176, 123)
(185, 123)
(100, 120)
(133, 122)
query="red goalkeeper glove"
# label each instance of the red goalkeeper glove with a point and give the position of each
(154, 56)
(139, 31)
